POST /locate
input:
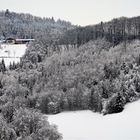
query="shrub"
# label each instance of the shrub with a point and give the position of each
(30, 124)
(115, 104)
(6, 133)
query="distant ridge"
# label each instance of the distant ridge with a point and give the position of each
(27, 26)
(115, 31)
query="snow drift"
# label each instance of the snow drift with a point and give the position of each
(87, 125)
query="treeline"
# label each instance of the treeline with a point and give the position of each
(27, 26)
(115, 31)
(12, 66)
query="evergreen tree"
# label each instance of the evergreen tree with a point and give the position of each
(115, 105)
(2, 66)
(7, 13)
(10, 66)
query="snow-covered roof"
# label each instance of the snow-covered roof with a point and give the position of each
(24, 39)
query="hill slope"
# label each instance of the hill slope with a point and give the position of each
(115, 31)
(27, 26)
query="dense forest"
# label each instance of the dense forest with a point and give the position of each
(27, 26)
(115, 31)
(83, 68)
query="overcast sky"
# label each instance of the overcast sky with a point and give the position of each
(80, 12)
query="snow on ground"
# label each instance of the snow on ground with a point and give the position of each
(87, 125)
(12, 52)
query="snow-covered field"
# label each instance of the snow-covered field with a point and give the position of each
(12, 52)
(86, 125)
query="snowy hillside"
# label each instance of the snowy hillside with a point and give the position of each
(86, 125)
(12, 52)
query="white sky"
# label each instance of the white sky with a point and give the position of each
(80, 12)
